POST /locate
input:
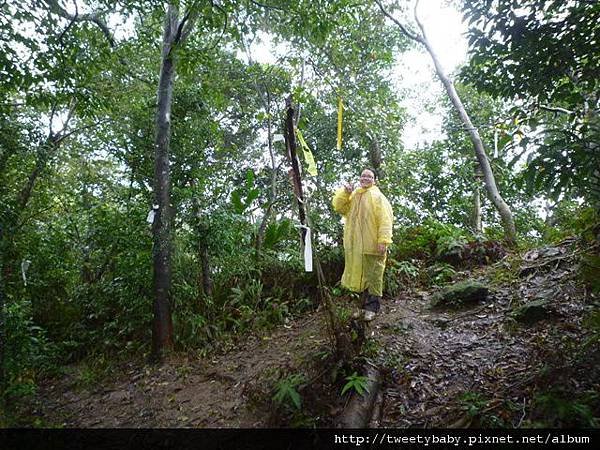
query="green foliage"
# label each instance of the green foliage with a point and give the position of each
(26, 350)
(276, 232)
(555, 89)
(440, 273)
(569, 218)
(286, 391)
(431, 238)
(399, 275)
(558, 409)
(243, 198)
(592, 324)
(357, 383)
(472, 403)
(476, 406)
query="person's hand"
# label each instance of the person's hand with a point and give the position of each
(382, 248)
(349, 188)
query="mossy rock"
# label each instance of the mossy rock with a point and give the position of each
(460, 294)
(532, 312)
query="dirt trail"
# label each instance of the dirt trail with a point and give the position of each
(186, 392)
(478, 366)
(442, 369)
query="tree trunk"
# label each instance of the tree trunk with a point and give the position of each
(162, 329)
(290, 142)
(375, 158)
(477, 225)
(3, 382)
(343, 341)
(260, 235)
(508, 223)
(477, 214)
(206, 276)
(510, 233)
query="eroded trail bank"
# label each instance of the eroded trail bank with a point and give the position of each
(221, 391)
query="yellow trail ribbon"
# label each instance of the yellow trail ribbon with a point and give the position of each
(339, 125)
(308, 156)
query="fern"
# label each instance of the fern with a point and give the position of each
(286, 391)
(356, 382)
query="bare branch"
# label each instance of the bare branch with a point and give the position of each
(262, 5)
(73, 20)
(556, 109)
(405, 30)
(94, 17)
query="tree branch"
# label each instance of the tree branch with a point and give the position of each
(556, 109)
(414, 37)
(94, 17)
(262, 5)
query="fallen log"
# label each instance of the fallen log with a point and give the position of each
(359, 409)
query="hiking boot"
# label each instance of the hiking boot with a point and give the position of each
(369, 316)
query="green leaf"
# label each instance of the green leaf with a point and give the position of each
(237, 202)
(249, 178)
(252, 195)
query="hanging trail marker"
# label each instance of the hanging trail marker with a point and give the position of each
(308, 258)
(25, 266)
(339, 124)
(308, 156)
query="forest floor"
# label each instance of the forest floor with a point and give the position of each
(472, 367)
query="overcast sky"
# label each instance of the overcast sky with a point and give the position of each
(416, 74)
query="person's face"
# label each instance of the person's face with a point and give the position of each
(366, 178)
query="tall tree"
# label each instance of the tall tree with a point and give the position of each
(175, 33)
(482, 158)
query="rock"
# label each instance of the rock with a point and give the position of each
(532, 312)
(119, 396)
(460, 294)
(441, 322)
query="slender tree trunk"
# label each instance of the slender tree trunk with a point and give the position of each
(202, 230)
(290, 141)
(477, 224)
(206, 276)
(477, 213)
(508, 223)
(3, 382)
(343, 343)
(162, 329)
(260, 235)
(375, 157)
(175, 33)
(510, 232)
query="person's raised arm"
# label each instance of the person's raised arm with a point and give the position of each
(341, 199)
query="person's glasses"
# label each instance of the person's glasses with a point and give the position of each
(366, 177)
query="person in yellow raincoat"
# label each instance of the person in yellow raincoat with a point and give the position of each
(367, 233)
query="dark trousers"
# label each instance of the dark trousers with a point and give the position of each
(370, 302)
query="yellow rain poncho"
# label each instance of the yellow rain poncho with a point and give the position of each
(369, 218)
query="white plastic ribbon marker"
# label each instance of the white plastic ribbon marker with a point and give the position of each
(308, 259)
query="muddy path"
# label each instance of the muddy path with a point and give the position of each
(479, 366)
(472, 367)
(184, 391)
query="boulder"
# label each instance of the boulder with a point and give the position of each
(532, 312)
(460, 294)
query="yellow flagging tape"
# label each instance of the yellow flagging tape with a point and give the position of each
(308, 156)
(339, 127)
